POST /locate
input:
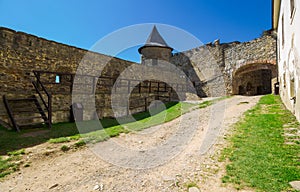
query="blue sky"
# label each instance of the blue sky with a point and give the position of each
(82, 23)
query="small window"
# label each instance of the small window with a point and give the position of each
(154, 62)
(57, 79)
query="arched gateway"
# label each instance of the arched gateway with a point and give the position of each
(254, 78)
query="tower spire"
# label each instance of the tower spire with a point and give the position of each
(155, 40)
(155, 49)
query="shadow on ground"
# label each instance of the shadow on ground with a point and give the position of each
(12, 140)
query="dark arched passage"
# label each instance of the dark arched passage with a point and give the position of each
(254, 79)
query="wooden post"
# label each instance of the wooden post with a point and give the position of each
(9, 111)
(38, 75)
(50, 111)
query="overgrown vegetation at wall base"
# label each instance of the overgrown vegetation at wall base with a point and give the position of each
(258, 155)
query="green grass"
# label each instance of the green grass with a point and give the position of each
(191, 184)
(65, 148)
(6, 167)
(80, 143)
(205, 104)
(10, 164)
(211, 102)
(257, 156)
(60, 140)
(17, 152)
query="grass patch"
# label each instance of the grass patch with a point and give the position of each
(59, 140)
(65, 148)
(10, 164)
(191, 184)
(80, 143)
(258, 156)
(205, 104)
(64, 139)
(211, 102)
(7, 167)
(17, 152)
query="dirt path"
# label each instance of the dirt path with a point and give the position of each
(194, 163)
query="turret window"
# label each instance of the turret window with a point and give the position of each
(57, 79)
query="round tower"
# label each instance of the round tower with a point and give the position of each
(155, 49)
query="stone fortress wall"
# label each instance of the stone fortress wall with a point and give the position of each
(219, 69)
(213, 68)
(21, 54)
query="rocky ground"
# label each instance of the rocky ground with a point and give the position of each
(174, 156)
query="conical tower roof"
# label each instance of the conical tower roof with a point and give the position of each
(155, 40)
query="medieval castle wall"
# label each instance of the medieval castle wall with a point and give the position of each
(211, 68)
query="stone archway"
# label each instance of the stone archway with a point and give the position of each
(254, 79)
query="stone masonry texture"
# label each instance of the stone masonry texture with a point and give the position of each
(213, 69)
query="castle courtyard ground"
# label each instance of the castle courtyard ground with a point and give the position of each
(82, 170)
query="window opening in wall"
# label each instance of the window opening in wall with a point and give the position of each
(57, 79)
(154, 62)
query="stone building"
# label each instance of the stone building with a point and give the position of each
(155, 49)
(42, 72)
(286, 21)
